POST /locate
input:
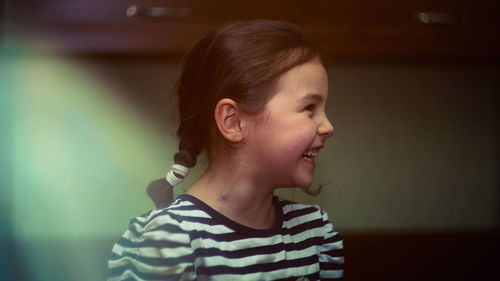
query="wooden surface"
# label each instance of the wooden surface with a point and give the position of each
(422, 256)
(341, 29)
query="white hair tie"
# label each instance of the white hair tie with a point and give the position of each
(178, 169)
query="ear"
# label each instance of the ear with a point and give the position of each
(228, 119)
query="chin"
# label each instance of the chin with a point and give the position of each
(304, 184)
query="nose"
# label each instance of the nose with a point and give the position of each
(325, 128)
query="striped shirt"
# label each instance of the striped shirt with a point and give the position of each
(188, 240)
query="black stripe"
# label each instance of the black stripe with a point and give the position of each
(202, 220)
(334, 253)
(136, 221)
(159, 261)
(117, 271)
(331, 266)
(255, 268)
(179, 207)
(317, 223)
(285, 202)
(297, 213)
(160, 244)
(114, 256)
(260, 250)
(235, 236)
(335, 238)
(312, 276)
(231, 236)
(168, 227)
(164, 212)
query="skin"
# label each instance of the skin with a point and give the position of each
(267, 149)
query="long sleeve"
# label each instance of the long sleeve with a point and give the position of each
(155, 247)
(331, 252)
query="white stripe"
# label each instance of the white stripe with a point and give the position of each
(145, 268)
(271, 275)
(213, 229)
(331, 273)
(301, 219)
(332, 246)
(180, 203)
(157, 236)
(159, 221)
(295, 207)
(255, 241)
(190, 213)
(129, 274)
(260, 259)
(238, 244)
(152, 252)
(326, 258)
(299, 237)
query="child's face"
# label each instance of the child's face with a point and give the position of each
(293, 127)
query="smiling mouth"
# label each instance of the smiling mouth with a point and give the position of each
(309, 155)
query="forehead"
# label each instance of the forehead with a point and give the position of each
(305, 81)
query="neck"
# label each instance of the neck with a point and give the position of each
(231, 190)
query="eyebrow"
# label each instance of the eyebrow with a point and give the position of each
(312, 96)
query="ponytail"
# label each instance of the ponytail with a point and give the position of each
(161, 191)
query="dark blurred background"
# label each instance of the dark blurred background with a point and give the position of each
(411, 174)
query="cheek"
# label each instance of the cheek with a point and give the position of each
(304, 139)
(300, 136)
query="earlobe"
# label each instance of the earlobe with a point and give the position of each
(227, 117)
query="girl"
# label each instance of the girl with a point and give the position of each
(253, 95)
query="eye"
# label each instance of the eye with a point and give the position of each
(309, 107)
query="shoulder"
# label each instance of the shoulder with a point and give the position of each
(176, 218)
(155, 245)
(307, 218)
(301, 212)
(161, 229)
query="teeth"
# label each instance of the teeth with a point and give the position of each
(310, 155)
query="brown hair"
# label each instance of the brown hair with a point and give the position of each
(241, 61)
